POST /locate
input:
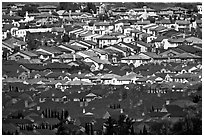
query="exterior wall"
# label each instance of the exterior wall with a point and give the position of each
(117, 26)
(103, 43)
(4, 35)
(21, 33)
(168, 44)
(142, 48)
(97, 66)
(136, 63)
(128, 39)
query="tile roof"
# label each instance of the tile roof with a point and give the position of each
(15, 40)
(130, 45)
(143, 43)
(107, 37)
(163, 21)
(97, 60)
(195, 40)
(160, 38)
(102, 24)
(143, 22)
(49, 49)
(79, 82)
(29, 53)
(69, 56)
(136, 57)
(182, 22)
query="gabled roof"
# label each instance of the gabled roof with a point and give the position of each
(97, 60)
(159, 38)
(29, 53)
(130, 45)
(151, 54)
(143, 44)
(116, 47)
(163, 21)
(195, 40)
(101, 51)
(7, 27)
(107, 37)
(90, 42)
(89, 53)
(143, 22)
(187, 56)
(49, 49)
(136, 57)
(8, 45)
(182, 22)
(47, 7)
(8, 17)
(178, 40)
(102, 24)
(69, 56)
(13, 40)
(159, 28)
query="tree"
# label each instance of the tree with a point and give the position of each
(30, 8)
(65, 38)
(68, 6)
(5, 53)
(109, 126)
(151, 19)
(91, 8)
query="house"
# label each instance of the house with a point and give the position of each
(21, 45)
(160, 42)
(97, 62)
(102, 27)
(194, 40)
(23, 54)
(128, 39)
(106, 40)
(110, 79)
(158, 30)
(126, 30)
(132, 48)
(122, 50)
(139, 24)
(164, 22)
(65, 58)
(129, 78)
(103, 55)
(147, 28)
(144, 47)
(81, 44)
(182, 25)
(47, 8)
(118, 25)
(136, 60)
(49, 50)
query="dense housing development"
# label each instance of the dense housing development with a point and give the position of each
(101, 68)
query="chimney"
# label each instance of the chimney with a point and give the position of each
(42, 116)
(145, 9)
(167, 102)
(74, 57)
(26, 103)
(70, 12)
(184, 35)
(10, 13)
(121, 111)
(50, 12)
(84, 111)
(38, 108)
(79, 72)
